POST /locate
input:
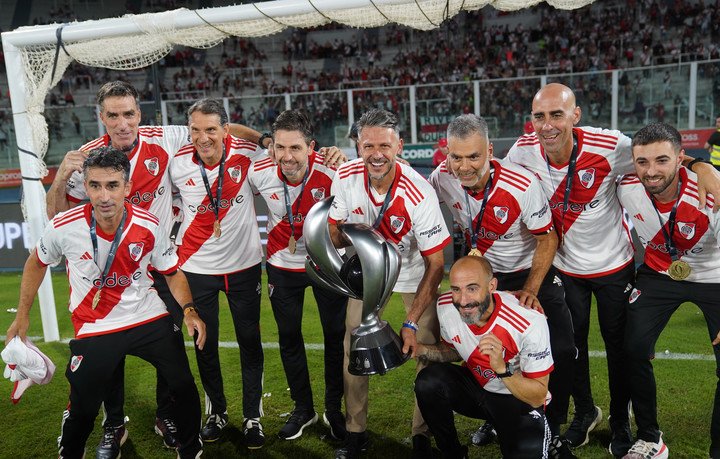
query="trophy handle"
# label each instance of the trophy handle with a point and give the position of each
(321, 249)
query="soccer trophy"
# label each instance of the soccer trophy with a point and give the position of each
(369, 275)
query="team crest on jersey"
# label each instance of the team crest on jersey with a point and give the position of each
(235, 173)
(634, 295)
(318, 194)
(75, 362)
(396, 223)
(152, 165)
(686, 229)
(136, 250)
(587, 177)
(501, 213)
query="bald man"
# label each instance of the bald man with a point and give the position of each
(506, 349)
(578, 168)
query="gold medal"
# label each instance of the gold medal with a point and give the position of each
(292, 244)
(216, 228)
(96, 299)
(679, 270)
(475, 253)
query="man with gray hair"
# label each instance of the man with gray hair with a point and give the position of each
(377, 190)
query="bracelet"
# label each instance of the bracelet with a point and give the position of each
(189, 309)
(696, 160)
(411, 325)
(265, 135)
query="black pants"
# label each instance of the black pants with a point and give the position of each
(445, 388)
(287, 293)
(560, 324)
(114, 401)
(611, 293)
(648, 314)
(242, 290)
(92, 364)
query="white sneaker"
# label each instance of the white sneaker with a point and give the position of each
(648, 450)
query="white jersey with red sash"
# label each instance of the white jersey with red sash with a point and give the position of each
(127, 299)
(266, 179)
(516, 209)
(238, 246)
(594, 238)
(413, 221)
(523, 332)
(149, 161)
(695, 234)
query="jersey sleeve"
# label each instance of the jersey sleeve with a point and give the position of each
(49, 251)
(175, 137)
(535, 212)
(624, 164)
(434, 180)
(430, 230)
(339, 209)
(535, 356)
(164, 256)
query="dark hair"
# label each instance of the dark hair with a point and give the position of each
(209, 107)
(464, 126)
(293, 120)
(353, 132)
(376, 117)
(117, 89)
(107, 157)
(658, 132)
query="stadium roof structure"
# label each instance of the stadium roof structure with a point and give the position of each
(37, 56)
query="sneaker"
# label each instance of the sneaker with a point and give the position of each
(421, 447)
(621, 439)
(559, 448)
(578, 434)
(355, 443)
(485, 435)
(253, 432)
(299, 419)
(335, 420)
(213, 427)
(168, 431)
(194, 451)
(109, 446)
(648, 450)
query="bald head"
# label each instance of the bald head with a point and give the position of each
(554, 113)
(557, 92)
(473, 264)
(471, 285)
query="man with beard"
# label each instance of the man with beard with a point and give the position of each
(506, 350)
(682, 263)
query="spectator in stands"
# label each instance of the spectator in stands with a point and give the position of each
(441, 152)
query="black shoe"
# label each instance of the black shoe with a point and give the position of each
(560, 448)
(109, 446)
(299, 419)
(213, 427)
(191, 451)
(335, 420)
(168, 431)
(421, 447)
(484, 435)
(578, 434)
(354, 444)
(253, 432)
(621, 439)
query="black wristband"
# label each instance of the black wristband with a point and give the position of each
(188, 305)
(696, 160)
(261, 140)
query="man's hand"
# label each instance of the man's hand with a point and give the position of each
(715, 342)
(528, 300)
(410, 343)
(333, 156)
(19, 327)
(708, 183)
(491, 346)
(194, 324)
(73, 162)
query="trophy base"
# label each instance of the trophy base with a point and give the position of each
(376, 352)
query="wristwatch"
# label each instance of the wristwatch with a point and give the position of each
(508, 372)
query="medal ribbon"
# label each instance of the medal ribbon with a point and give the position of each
(289, 206)
(384, 207)
(113, 246)
(215, 201)
(568, 184)
(486, 193)
(672, 250)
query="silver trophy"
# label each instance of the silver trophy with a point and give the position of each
(369, 275)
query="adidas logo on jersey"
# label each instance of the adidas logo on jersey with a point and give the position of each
(190, 182)
(86, 256)
(358, 211)
(639, 217)
(274, 196)
(456, 338)
(457, 206)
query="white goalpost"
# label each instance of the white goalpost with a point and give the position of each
(36, 58)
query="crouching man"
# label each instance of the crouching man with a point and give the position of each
(507, 362)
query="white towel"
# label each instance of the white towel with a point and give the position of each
(26, 365)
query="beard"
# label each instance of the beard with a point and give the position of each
(474, 318)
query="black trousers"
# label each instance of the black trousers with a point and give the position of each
(92, 364)
(242, 290)
(287, 294)
(114, 400)
(611, 293)
(656, 298)
(444, 389)
(560, 324)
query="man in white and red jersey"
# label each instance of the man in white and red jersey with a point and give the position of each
(220, 251)
(682, 263)
(150, 150)
(505, 216)
(578, 168)
(507, 362)
(109, 246)
(290, 188)
(397, 201)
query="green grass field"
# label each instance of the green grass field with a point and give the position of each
(30, 428)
